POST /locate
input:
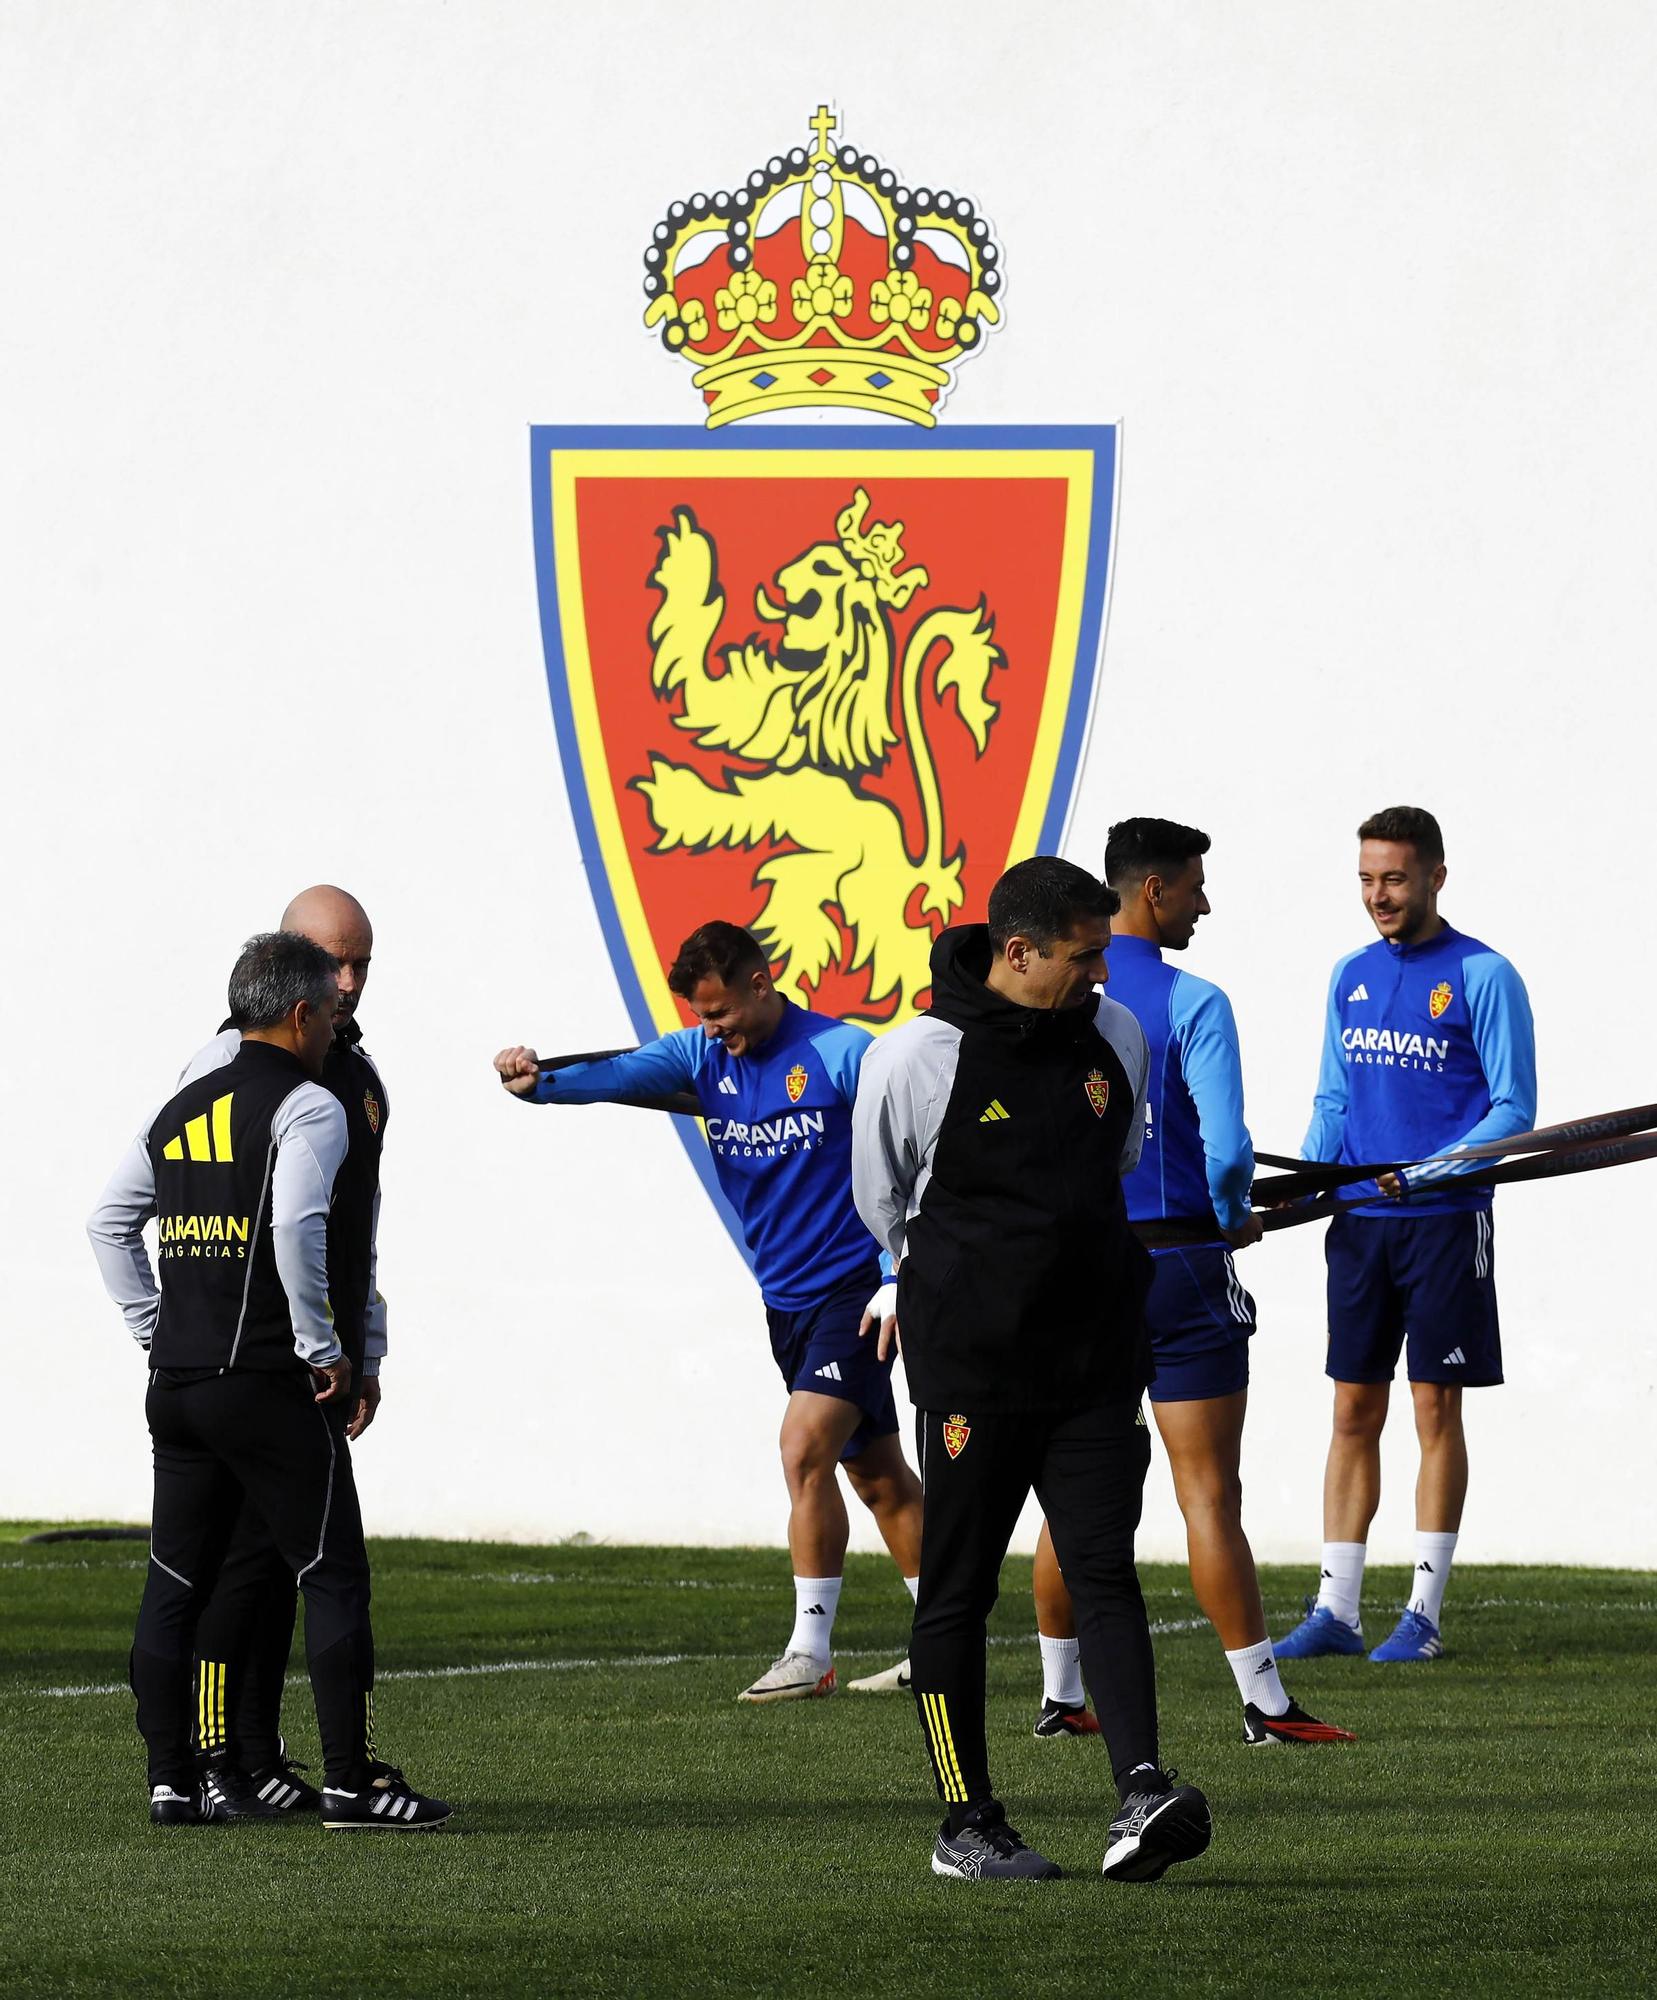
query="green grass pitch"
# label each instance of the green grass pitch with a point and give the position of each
(627, 1828)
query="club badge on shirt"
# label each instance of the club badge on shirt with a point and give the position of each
(1440, 997)
(371, 1111)
(794, 1083)
(1097, 1086)
(956, 1432)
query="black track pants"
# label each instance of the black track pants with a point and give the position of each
(257, 1439)
(242, 1646)
(1088, 1470)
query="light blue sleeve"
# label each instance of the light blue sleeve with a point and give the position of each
(656, 1070)
(1213, 1069)
(1327, 1131)
(1504, 1034)
(842, 1048)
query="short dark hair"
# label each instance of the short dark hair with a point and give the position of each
(1407, 823)
(278, 969)
(1135, 848)
(714, 951)
(1041, 898)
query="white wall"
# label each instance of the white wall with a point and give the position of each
(282, 288)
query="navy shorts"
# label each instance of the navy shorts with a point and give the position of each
(818, 1348)
(1430, 1279)
(1201, 1321)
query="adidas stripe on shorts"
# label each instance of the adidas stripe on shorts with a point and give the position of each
(1425, 1281)
(818, 1348)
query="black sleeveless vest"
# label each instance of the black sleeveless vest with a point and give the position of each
(212, 1151)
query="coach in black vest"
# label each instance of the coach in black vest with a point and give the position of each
(246, 1629)
(249, 1386)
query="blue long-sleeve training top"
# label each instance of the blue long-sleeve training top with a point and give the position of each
(1197, 1156)
(1427, 1047)
(779, 1123)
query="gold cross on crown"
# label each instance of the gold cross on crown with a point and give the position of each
(823, 124)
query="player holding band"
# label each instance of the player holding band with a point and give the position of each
(1196, 1165)
(1429, 1046)
(776, 1086)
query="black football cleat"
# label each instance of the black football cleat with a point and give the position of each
(1294, 1725)
(280, 1785)
(1060, 1718)
(1157, 1825)
(173, 1808)
(227, 1796)
(387, 1803)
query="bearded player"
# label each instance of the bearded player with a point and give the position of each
(776, 1085)
(1196, 1165)
(1428, 1046)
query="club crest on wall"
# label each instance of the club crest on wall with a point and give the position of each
(826, 678)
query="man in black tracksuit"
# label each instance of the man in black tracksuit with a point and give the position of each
(237, 1169)
(246, 1631)
(989, 1142)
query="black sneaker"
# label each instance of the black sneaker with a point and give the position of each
(387, 1803)
(1294, 1725)
(227, 1794)
(1157, 1825)
(280, 1785)
(988, 1849)
(170, 1808)
(1059, 1718)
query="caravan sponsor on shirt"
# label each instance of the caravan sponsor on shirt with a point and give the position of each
(1399, 1048)
(766, 1138)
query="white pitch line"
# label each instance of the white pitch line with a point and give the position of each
(1160, 1628)
(581, 1665)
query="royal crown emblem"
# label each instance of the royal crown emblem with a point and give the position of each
(822, 281)
(1097, 1087)
(794, 1083)
(956, 1432)
(1440, 997)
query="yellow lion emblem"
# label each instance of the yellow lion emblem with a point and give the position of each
(816, 710)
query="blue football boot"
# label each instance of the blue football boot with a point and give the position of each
(1319, 1632)
(1414, 1637)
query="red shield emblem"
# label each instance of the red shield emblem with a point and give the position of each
(371, 1111)
(1440, 997)
(794, 1083)
(826, 687)
(956, 1432)
(1097, 1086)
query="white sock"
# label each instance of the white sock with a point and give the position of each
(1061, 1670)
(816, 1599)
(1254, 1668)
(913, 1585)
(1433, 1554)
(1341, 1584)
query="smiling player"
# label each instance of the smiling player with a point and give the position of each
(1429, 1046)
(776, 1086)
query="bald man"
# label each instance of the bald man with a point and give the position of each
(246, 1631)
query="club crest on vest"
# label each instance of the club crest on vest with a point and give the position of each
(1097, 1086)
(870, 648)
(371, 1111)
(794, 1083)
(956, 1432)
(1440, 997)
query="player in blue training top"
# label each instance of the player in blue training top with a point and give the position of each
(776, 1085)
(1429, 1046)
(1196, 1166)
